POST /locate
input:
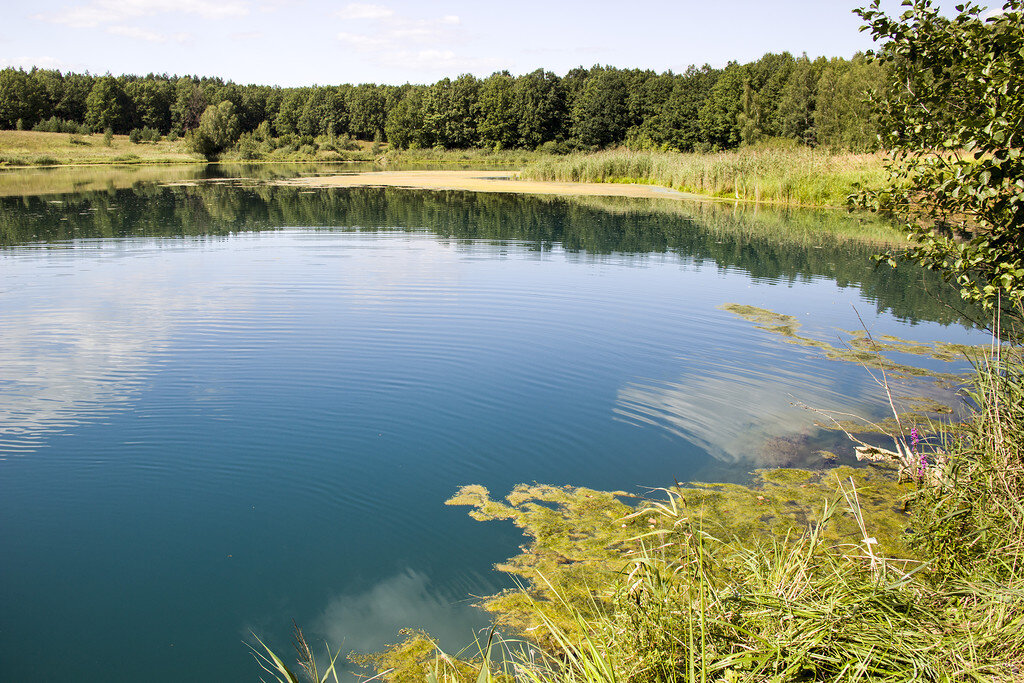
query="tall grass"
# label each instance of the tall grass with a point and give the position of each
(780, 174)
(703, 608)
(972, 519)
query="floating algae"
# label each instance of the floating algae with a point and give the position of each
(860, 347)
(580, 538)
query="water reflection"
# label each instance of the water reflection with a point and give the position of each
(78, 342)
(738, 415)
(782, 246)
(364, 620)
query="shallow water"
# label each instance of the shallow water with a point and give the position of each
(223, 408)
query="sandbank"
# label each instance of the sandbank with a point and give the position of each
(480, 181)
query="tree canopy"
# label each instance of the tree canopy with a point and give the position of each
(702, 108)
(954, 123)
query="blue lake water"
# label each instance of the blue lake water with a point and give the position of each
(224, 408)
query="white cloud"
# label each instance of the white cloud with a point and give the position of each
(137, 33)
(97, 12)
(407, 600)
(362, 42)
(439, 60)
(41, 62)
(402, 41)
(358, 10)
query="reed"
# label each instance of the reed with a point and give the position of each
(780, 174)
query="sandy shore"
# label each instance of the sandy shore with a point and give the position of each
(480, 181)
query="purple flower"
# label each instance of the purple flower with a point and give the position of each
(922, 459)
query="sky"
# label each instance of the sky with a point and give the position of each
(306, 42)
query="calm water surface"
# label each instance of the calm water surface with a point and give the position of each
(223, 408)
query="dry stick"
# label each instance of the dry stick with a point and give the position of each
(902, 450)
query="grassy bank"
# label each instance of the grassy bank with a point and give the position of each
(33, 148)
(781, 174)
(36, 148)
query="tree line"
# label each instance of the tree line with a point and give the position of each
(816, 102)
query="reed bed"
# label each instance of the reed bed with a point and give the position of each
(781, 174)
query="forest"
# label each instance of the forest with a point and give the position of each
(819, 102)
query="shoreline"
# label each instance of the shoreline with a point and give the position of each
(484, 181)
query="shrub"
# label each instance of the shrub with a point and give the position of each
(248, 147)
(217, 131)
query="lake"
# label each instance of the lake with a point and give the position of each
(227, 405)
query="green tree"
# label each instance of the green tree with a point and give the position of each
(108, 106)
(287, 119)
(600, 111)
(18, 99)
(449, 112)
(498, 124)
(719, 116)
(795, 113)
(152, 103)
(842, 113)
(367, 110)
(954, 123)
(404, 126)
(218, 129)
(768, 78)
(189, 104)
(540, 107)
(323, 113)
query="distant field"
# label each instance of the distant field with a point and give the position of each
(31, 148)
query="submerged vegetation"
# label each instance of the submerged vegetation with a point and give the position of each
(859, 346)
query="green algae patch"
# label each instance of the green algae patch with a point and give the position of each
(580, 539)
(417, 658)
(587, 557)
(765, 319)
(857, 346)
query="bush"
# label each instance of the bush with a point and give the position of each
(249, 148)
(554, 147)
(217, 131)
(55, 125)
(135, 136)
(108, 137)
